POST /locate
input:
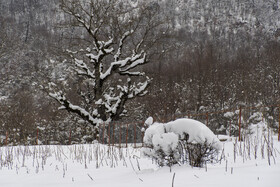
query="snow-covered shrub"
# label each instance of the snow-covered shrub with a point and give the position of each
(180, 141)
(164, 149)
(198, 154)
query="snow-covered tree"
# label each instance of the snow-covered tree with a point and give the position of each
(116, 36)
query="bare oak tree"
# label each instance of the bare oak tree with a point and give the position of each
(113, 45)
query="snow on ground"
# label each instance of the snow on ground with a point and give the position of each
(101, 166)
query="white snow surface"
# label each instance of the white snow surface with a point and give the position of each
(75, 166)
(254, 162)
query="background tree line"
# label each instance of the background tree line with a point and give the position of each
(214, 56)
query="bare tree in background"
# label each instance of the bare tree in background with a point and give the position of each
(114, 44)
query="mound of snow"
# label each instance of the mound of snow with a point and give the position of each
(191, 130)
(197, 131)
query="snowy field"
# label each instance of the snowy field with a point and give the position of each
(253, 162)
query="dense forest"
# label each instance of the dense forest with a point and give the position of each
(204, 56)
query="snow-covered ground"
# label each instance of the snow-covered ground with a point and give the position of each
(253, 163)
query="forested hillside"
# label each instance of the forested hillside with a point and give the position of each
(209, 56)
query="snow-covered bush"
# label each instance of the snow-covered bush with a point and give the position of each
(198, 154)
(180, 141)
(164, 149)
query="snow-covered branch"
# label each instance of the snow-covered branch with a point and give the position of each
(135, 63)
(83, 69)
(115, 104)
(65, 104)
(123, 66)
(118, 54)
(140, 89)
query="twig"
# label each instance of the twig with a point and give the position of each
(90, 177)
(173, 179)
